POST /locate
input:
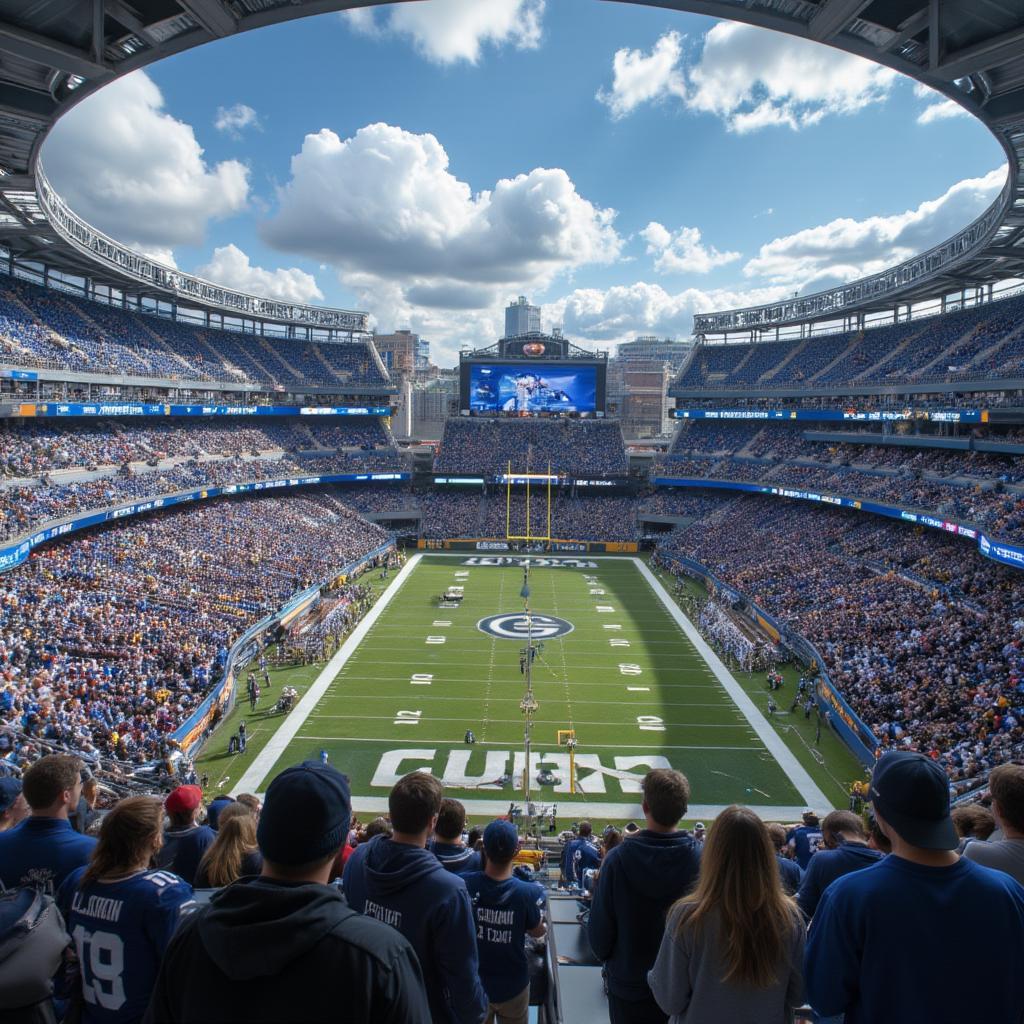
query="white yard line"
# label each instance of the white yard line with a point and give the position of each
(267, 758)
(805, 785)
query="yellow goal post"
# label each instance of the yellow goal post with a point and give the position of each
(567, 738)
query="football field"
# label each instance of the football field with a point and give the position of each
(620, 665)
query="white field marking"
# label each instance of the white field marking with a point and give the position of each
(447, 742)
(627, 669)
(597, 592)
(797, 774)
(408, 717)
(604, 608)
(515, 721)
(616, 642)
(650, 723)
(442, 622)
(612, 625)
(436, 639)
(422, 679)
(278, 743)
(647, 689)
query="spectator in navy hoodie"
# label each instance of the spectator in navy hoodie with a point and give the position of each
(639, 880)
(44, 849)
(506, 910)
(908, 938)
(805, 840)
(398, 881)
(789, 870)
(447, 845)
(185, 841)
(846, 850)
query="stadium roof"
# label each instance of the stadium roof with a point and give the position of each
(55, 52)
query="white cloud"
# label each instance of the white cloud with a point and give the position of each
(645, 78)
(750, 78)
(845, 248)
(383, 207)
(609, 316)
(446, 31)
(138, 173)
(939, 108)
(234, 120)
(683, 251)
(230, 266)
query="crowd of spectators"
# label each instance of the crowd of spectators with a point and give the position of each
(109, 641)
(981, 343)
(30, 448)
(923, 636)
(46, 327)
(582, 449)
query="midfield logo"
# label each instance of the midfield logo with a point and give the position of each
(514, 626)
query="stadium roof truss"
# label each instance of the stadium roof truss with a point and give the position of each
(55, 52)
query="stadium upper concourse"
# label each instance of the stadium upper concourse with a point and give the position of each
(193, 478)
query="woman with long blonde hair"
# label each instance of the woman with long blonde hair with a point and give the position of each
(234, 852)
(732, 949)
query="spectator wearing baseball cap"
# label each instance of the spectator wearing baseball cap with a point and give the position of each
(13, 808)
(216, 806)
(185, 841)
(506, 910)
(285, 946)
(883, 937)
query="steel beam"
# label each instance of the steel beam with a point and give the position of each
(49, 52)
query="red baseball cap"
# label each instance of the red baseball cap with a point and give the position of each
(184, 798)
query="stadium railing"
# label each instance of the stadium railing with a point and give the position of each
(854, 732)
(191, 732)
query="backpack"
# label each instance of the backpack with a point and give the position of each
(32, 944)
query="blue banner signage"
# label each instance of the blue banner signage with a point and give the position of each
(19, 374)
(16, 553)
(838, 415)
(998, 551)
(49, 409)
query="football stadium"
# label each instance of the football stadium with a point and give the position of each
(582, 676)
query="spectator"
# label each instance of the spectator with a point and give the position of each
(121, 915)
(13, 808)
(234, 853)
(907, 938)
(846, 850)
(285, 946)
(732, 950)
(44, 849)
(1006, 784)
(638, 882)
(506, 910)
(252, 802)
(580, 854)
(789, 870)
(805, 840)
(972, 822)
(447, 845)
(216, 806)
(185, 841)
(396, 880)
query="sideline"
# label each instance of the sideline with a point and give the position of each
(797, 774)
(257, 772)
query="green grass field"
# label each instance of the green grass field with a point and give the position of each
(628, 679)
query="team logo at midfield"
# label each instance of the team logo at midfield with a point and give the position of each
(515, 626)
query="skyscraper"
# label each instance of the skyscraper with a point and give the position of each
(521, 318)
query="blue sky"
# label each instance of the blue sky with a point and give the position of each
(622, 166)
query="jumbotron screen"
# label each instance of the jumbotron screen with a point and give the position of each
(518, 389)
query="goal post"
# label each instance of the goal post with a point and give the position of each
(567, 738)
(528, 478)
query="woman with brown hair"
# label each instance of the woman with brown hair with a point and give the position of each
(732, 949)
(234, 852)
(121, 915)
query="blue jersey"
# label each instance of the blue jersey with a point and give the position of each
(806, 841)
(504, 912)
(120, 931)
(580, 855)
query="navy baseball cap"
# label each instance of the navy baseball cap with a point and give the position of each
(501, 841)
(10, 788)
(911, 792)
(306, 814)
